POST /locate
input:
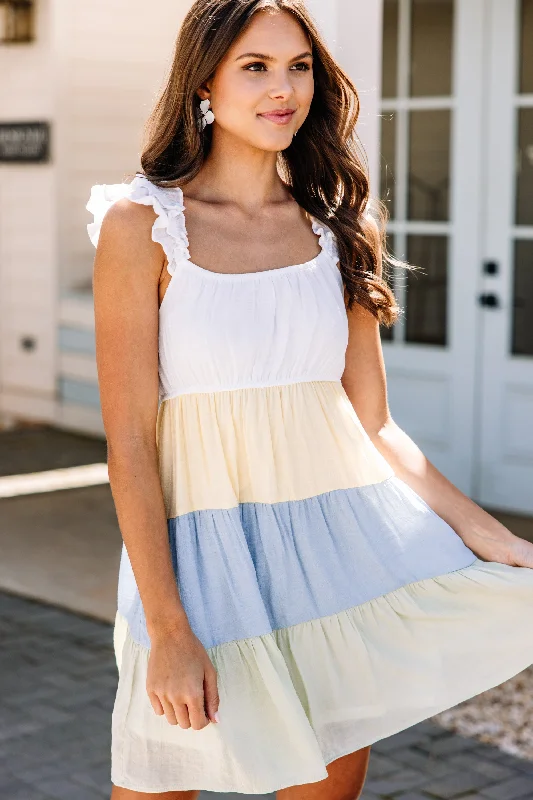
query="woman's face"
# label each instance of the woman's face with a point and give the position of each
(262, 90)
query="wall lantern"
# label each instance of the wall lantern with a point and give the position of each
(16, 21)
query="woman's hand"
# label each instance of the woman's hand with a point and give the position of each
(495, 542)
(521, 553)
(182, 681)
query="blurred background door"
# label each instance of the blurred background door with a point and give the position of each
(431, 180)
(506, 362)
(457, 176)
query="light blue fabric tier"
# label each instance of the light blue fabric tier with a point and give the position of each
(248, 570)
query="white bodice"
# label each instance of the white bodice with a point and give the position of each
(221, 331)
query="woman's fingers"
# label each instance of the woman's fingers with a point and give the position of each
(182, 714)
(212, 699)
(189, 713)
(156, 704)
(196, 706)
(170, 714)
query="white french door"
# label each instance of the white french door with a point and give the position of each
(505, 477)
(457, 175)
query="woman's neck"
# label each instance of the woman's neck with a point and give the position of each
(235, 172)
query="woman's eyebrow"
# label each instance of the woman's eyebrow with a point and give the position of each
(264, 57)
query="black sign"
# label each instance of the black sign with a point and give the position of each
(24, 141)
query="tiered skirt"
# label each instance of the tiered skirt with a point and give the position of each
(337, 607)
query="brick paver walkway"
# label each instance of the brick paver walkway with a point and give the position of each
(57, 686)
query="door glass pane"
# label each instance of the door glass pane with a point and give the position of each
(526, 54)
(523, 299)
(427, 291)
(390, 48)
(388, 160)
(524, 184)
(431, 47)
(429, 165)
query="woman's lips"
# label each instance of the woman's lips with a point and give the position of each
(281, 117)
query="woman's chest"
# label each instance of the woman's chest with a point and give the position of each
(230, 331)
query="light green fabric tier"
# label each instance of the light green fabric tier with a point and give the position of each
(294, 700)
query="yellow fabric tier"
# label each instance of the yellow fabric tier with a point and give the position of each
(263, 445)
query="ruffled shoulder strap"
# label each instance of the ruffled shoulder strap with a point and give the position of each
(327, 239)
(169, 226)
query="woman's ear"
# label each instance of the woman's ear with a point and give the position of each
(204, 92)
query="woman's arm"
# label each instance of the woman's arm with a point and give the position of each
(364, 381)
(127, 269)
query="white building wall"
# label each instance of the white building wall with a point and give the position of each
(115, 55)
(353, 31)
(326, 14)
(114, 58)
(28, 256)
(359, 50)
(92, 72)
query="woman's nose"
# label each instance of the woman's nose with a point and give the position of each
(282, 87)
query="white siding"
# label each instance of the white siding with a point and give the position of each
(353, 31)
(27, 87)
(93, 73)
(28, 278)
(359, 50)
(115, 57)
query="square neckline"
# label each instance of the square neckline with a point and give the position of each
(310, 264)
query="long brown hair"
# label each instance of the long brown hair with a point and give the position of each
(325, 166)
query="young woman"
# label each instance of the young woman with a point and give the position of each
(297, 580)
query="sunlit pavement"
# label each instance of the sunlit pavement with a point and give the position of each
(59, 537)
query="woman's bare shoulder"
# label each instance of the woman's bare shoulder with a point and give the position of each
(126, 241)
(128, 221)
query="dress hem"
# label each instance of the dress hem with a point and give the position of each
(436, 635)
(268, 789)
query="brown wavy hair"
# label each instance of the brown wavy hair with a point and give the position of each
(324, 168)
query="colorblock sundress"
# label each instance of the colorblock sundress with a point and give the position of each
(337, 607)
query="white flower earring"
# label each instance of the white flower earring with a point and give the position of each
(205, 115)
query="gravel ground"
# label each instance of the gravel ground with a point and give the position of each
(502, 716)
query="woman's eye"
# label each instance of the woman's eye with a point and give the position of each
(259, 66)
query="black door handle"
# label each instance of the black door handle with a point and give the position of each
(489, 300)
